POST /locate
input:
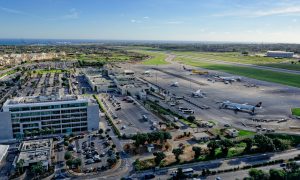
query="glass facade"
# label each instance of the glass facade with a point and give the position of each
(51, 119)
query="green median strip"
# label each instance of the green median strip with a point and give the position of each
(264, 75)
(101, 106)
(8, 73)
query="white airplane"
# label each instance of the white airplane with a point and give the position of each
(230, 79)
(175, 84)
(240, 107)
(198, 93)
(147, 72)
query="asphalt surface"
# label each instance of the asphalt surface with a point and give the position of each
(277, 100)
(222, 164)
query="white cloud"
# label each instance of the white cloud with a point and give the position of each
(175, 22)
(135, 21)
(73, 14)
(146, 17)
(278, 11)
(282, 11)
(12, 11)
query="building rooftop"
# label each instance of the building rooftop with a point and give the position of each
(36, 144)
(279, 52)
(35, 151)
(34, 156)
(41, 99)
(232, 130)
(201, 135)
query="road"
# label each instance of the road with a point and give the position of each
(240, 174)
(222, 164)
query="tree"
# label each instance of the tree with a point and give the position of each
(77, 162)
(179, 174)
(68, 155)
(20, 166)
(111, 161)
(225, 145)
(197, 151)
(159, 156)
(212, 146)
(279, 144)
(177, 152)
(140, 139)
(100, 131)
(249, 144)
(191, 119)
(37, 169)
(69, 162)
(264, 143)
(256, 174)
(277, 174)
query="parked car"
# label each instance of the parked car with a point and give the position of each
(149, 176)
(89, 161)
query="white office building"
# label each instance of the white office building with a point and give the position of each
(34, 116)
(280, 54)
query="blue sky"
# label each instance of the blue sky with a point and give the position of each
(189, 20)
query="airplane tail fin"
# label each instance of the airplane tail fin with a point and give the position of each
(258, 104)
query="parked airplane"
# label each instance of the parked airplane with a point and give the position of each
(198, 93)
(147, 72)
(187, 69)
(174, 84)
(240, 107)
(229, 79)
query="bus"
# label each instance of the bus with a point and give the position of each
(188, 170)
(188, 111)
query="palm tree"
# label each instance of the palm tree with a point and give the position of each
(20, 165)
(35, 132)
(52, 131)
(47, 131)
(27, 133)
(42, 131)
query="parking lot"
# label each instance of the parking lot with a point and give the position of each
(130, 117)
(94, 151)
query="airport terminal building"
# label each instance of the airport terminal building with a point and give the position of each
(34, 116)
(280, 54)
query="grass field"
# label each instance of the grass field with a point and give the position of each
(296, 111)
(156, 57)
(233, 57)
(246, 133)
(264, 75)
(289, 66)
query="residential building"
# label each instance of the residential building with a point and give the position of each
(232, 132)
(201, 136)
(33, 116)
